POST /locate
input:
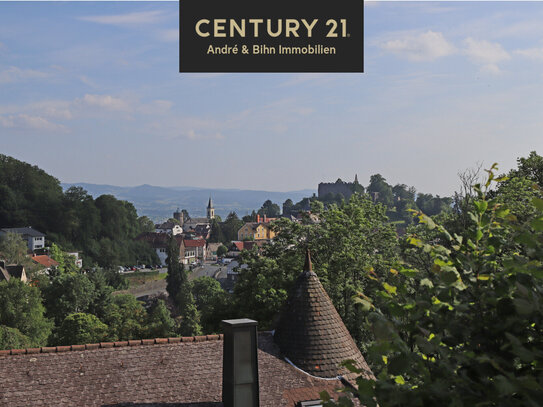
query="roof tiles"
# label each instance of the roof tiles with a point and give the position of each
(170, 372)
(311, 334)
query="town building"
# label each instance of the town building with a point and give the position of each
(238, 245)
(169, 227)
(194, 250)
(46, 262)
(7, 272)
(259, 230)
(159, 242)
(34, 238)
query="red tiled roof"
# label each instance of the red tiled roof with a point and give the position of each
(248, 244)
(153, 372)
(45, 261)
(194, 243)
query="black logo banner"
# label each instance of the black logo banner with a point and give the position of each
(271, 36)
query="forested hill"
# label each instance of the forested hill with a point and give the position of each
(159, 203)
(103, 229)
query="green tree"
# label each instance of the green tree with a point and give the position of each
(21, 308)
(212, 302)
(230, 227)
(13, 248)
(222, 250)
(159, 324)
(216, 235)
(270, 209)
(287, 207)
(531, 168)
(179, 290)
(67, 294)
(468, 331)
(125, 317)
(346, 242)
(12, 338)
(380, 190)
(147, 225)
(81, 328)
(66, 262)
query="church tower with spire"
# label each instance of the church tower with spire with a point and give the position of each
(210, 209)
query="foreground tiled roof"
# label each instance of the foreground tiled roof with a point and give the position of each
(310, 332)
(172, 372)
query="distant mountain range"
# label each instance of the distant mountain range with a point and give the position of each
(159, 203)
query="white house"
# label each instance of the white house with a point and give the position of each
(169, 228)
(35, 239)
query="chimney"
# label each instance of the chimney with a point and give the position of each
(257, 218)
(240, 364)
(265, 220)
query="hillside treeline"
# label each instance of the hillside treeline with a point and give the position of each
(103, 229)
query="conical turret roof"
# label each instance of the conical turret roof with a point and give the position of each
(210, 203)
(310, 332)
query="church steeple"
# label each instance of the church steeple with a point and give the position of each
(210, 209)
(356, 178)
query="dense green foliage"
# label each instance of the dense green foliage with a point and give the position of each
(21, 308)
(225, 232)
(462, 325)
(179, 290)
(13, 248)
(125, 317)
(103, 228)
(269, 209)
(81, 328)
(160, 324)
(12, 338)
(346, 241)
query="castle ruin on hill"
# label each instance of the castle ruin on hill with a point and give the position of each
(340, 187)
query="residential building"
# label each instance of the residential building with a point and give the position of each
(7, 272)
(78, 260)
(211, 251)
(159, 242)
(259, 230)
(238, 245)
(46, 262)
(169, 227)
(194, 249)
(35, 239)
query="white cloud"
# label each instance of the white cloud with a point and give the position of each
(427, 46)
(14, 74)
(28, 122)
(486, 54)
(106, 102)
(141, 17)
(56, 109)
(169, 35)
(532, 53)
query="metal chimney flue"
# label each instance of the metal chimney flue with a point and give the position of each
(240, 363)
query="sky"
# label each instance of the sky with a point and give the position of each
(90, 92)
